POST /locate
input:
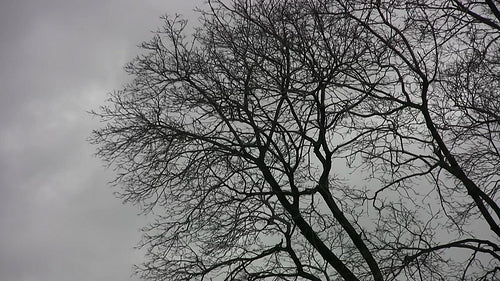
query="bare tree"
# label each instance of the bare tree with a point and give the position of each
(315, 140)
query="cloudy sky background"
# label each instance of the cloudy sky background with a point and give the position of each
(59, 219)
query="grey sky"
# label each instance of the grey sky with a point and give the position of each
(58, 59)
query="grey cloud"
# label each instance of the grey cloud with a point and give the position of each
(58, 59)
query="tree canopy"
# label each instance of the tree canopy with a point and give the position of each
(315, 140)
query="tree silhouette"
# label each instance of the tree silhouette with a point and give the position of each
(315, 140)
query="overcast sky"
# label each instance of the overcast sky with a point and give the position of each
(59, 219)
